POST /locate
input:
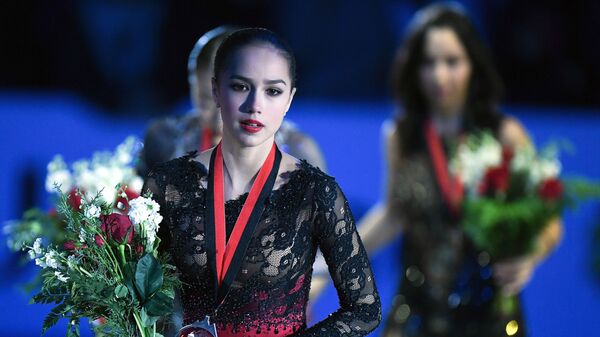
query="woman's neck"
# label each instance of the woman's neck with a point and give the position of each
(242, 164)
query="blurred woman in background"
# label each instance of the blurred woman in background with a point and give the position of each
(446, 82)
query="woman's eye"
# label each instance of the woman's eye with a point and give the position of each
(274, 92)
(238, 87)
(452, 61)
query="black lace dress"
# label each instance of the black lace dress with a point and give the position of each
(269, 293)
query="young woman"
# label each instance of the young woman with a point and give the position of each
(243, 221)
(201, 129)
(447, 85)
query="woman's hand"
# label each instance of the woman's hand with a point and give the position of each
(512, 275)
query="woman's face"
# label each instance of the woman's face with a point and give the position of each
(445, 71)
(254, 92)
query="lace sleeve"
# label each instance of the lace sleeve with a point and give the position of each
(360, 307)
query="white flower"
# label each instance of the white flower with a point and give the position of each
(58, 174)
(136, 183)
(144, 209)
(40, 262)
(143, 213)
(82, 235)
(61, 178)
(37, 246)
(72, 261)
(61, 277)
(51, 260)
(473, 158)
(92, 211)
(543, 169)
(125, 152)
(31, 254)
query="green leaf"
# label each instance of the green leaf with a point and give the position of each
(148, 320)
(159, 305)
(129, 276)
(148, 276)
(55, 314)
(121, 291)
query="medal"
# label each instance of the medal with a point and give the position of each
(199, 329)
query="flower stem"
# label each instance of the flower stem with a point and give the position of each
(138, 322)
(122, 253)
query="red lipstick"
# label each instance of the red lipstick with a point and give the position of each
(251, 125)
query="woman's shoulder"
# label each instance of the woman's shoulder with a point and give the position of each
(304, 173)
(180, 166)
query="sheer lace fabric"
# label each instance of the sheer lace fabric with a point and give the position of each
(270, 292)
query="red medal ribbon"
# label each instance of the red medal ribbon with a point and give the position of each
(226, 250)
(451, 187)
(206, 139)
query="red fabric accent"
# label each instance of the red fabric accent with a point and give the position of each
(225, 251)
(451, 187)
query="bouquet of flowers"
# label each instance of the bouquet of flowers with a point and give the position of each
(113, 173)
(109, 267)
(510, 195)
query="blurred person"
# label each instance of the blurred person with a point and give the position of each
(445, 80)
(243, 220)
(200, 129)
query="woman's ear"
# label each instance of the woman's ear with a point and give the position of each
(292, 93)
(215, 91)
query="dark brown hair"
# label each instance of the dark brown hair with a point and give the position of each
(485, 86)
(247, 36)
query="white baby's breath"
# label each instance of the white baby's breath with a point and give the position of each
(37, 246)
(91, 211)
(61, 277)
(144, 214)
(102, 174)
(473, 159)
(51, 259)
(40, 262)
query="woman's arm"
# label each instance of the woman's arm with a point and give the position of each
(349, 267)
(383, 222)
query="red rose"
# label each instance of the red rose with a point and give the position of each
(495, 180)
(551, 189)
(117, 227)
(507, 156)
(74, 199)
(130, 196)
